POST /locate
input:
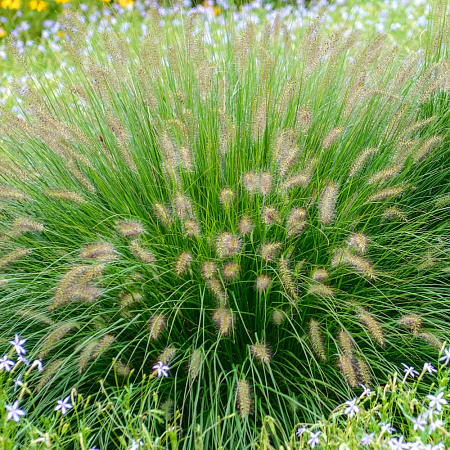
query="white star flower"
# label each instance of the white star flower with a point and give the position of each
(417, 445)
(419, 424)
(446, 358)
(14, 412)
(161, 369)
(352, 408)
(24, 360)
(300, 431)
(366, 391)
(398, 444)
(435, 424)
(437, 401)
(135, 445)
(6, 364)
(17, 343)
(313, 439)
(386, 427)
(429, 368)
(63, 405)
(18, 382)
(37, 363)
(409, 371)
(367, 438)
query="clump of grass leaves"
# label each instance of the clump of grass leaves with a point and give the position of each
(265, 217)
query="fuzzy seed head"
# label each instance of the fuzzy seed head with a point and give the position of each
(55, 336)
(316, 339)
(286, 278)
(363, 371)
(359, 242)
(372, 326)
(128, 299)
(327, 203)
(167, 355)
(209, 269)
(182, 264)
(278, 317)
(261, 352)
(195, 364)
(431, 339)
(231, 271)
(263, 282)
(14, 256)
(270, 215)
(245, 226)
(361, 265)
(216, 288)
(156, 326)
(244, 401)
(345, 342)
(24, 224)
(298, 180)
(224, 320)
(227, 245)
(426, 148)
(122, 370)
(411, 321)
(48, 373)
(348, 371)
(320, 290)
(384, 194)
(186, 159)
(182, 206)
(68, 196)
(226, 197)
(320, 275)
(384, 175)
(144, 255)
(296, 221)
(265, 183)
(191, 228)
(361, 160)
(269, 251)
(250, 181)
(86, 355)
(101, 252)
(394, 213)
(332, 136)
(7, 193)
(163, 214)
(130, 228)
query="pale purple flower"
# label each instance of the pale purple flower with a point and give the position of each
(352, 408)
(398, 444)
(14, 412)
(437, 401)
(446, 358)
(419, 424)
(37, 363)
(161, 368)
(409, 371)
(300, 431)
(63, 405)
(435, 424)
(417, 445)
(135, 445)
(313, 439)
(24, 360)
(429, 368)
(386, 427)
(6, 364)
(17, 343)
(366, 391)
(367, 438)
(18, 382)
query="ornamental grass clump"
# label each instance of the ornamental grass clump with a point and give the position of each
(190, 205)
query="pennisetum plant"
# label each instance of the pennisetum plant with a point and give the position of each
(250, 216)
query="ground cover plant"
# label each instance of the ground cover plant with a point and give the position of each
(265, 222)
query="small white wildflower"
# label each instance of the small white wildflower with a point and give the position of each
(14, 412)
(446, 358)
(63, 405)
(386, 427)
(135, 445)
(366, 391)
(417, 445)
(429, 368)
(17, 343)
(6, 364)
(18, 382)
(409, 371)
(24, 360)
(37, 363)
(419, 424)
(398, 444)
(313, 439)
(352, 408)
(435, 424)
(300, 431)
(437, 401)
(367, 438)
(161, 369)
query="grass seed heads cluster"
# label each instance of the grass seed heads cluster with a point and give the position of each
(250, 216)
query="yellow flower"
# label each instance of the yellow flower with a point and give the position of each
(10, 4)
(216, 10)
(125, 3)
(38, 5)
(62, 1)
(2, 33)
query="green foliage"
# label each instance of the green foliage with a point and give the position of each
(265, 218)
